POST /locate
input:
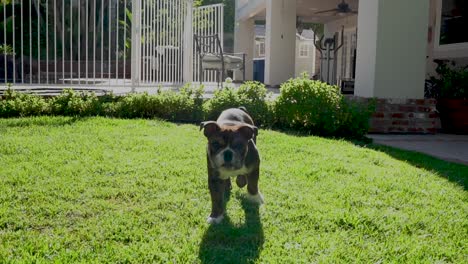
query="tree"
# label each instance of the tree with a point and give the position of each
(229, 12)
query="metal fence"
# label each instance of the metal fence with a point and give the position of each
(101, 42)
(207, 20)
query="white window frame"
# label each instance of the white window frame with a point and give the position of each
(307, 50)
(261, 52)
(447, 50)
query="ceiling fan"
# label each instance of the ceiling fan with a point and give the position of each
(342, 8)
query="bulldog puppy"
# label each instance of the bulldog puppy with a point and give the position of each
(231, 152)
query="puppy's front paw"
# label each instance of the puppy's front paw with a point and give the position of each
(241, 181)
(215, 220)
(257, 198)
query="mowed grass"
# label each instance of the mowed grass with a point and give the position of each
(135, 191)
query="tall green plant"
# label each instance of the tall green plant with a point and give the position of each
(451, 81)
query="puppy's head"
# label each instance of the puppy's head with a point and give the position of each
(228, 145)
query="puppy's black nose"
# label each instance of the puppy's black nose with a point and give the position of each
(228, 156)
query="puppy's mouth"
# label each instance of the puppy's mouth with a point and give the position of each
(228, 166)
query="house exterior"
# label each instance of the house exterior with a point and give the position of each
(388, 48)
(305, 56)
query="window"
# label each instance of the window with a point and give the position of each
(352, 62)
(451, 40)
(344, 57)
(453, 22)
(347, 55)
(260, 48)
(304, 50)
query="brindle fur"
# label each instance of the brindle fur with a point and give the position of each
(233, 125)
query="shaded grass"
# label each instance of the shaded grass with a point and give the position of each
(451, 171)
(108, 190)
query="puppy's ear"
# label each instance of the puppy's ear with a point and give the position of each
(210, 128)
(248, 132)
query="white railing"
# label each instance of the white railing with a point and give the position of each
(71, 43)
(162, 41)
(63, 43)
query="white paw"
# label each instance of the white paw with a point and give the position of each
(257, 198)
(215, 220)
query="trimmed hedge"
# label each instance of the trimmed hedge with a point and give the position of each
(303, 105)
(317, 108)
(251, 95)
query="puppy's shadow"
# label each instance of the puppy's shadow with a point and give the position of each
(229, 243)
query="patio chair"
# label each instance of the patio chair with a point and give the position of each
(212, 57)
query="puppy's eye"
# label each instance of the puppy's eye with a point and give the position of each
(215, 145)
(237, 146)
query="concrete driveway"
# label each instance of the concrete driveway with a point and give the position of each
(452, 148)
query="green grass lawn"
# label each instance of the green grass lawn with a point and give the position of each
(107, 190)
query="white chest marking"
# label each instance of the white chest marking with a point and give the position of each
(226, 174)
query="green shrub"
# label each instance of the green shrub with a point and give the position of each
(254, 96)
(189, 103)
(309, 106)
(185, 105)
(354, 118)
(71, 103)
(14, 104)
(221, 100)
(251, 95)
(304, 105)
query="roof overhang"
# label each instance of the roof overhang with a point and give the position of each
(306, 9)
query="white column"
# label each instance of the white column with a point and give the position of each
(188, 43)
(391, 52)
(280, 44)
(136, 43)
(244, 41)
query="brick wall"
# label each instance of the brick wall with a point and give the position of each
(405, 116)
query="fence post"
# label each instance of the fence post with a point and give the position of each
(136, 43)
(188, 42)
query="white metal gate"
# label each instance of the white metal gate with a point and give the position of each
(162, 41)
(207, 20)
(73, 43)
(167, 29)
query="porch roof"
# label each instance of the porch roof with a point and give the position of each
(306, 9)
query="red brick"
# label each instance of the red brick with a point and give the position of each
(378, 115)
(411, 115)
(424, 109)
(380, 122)
(421, 102)
(398, 115)
(406, 108)
(400, 122)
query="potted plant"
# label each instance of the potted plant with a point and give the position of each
(6, 54)
(450, 88)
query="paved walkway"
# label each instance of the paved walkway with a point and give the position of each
(452, 148)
